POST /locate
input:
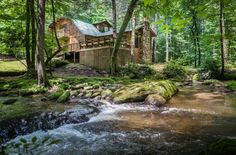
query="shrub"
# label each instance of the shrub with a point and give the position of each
(174, 70)
(212, 67)
(136, 71)
(58, 63)
(231, 85)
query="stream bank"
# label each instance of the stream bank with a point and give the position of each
(194, 118)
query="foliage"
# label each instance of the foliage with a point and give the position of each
(136, 71)
(212, 66)
(231, 85)
(58, 63)
(213, 82)
(174, 70)
(221, 147)
(24, 146)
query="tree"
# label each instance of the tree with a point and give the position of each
(128, 15)
(41, 70)
(133, 38)
(114, 18)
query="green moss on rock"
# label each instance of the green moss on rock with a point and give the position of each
(139, 91)
(9, 101)
(64, 97)
(55, 95)
(213, 82)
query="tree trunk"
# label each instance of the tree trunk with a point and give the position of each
(197, 41)
(147, 54)
(222, 39)
(33, 34)
(167, 46)
(126, 20)
(133, 38)
(114, 19)
(59, 48)
(27, 37)
(41, 71)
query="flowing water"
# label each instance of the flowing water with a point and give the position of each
(194, 118)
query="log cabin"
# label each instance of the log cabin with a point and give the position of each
(92, 44)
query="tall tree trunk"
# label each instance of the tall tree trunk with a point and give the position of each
(27, 37)
(126, 20)
(222, 39)
(59, 48)
(167, 43)
(114, 19)
(33, 34)
(133, 38)
(41, 71)
(197, 41)
(147, 54)
(167, 46)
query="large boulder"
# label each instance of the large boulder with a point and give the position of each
(139, 91)
(155, 99)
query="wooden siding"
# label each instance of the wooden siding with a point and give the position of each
(99, 58)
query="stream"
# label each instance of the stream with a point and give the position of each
(197, 116)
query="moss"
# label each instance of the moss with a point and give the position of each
(222, 147)
(9, 101)
(55, 95)
(19, 108)
(139, 91)
(213, 82)
(64, 97)
(231, 85)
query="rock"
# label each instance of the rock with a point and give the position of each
(98, 98)
(44, 99)
(96, 86)
(225, 146)
(96, 94)
(89, 94)
(64, 97)
(55, 95)
(88, 88)
(213, 82)
(106, 92)
(73, 93)
(155, 99)
(78, 86)
(9, 101)
(139, 91)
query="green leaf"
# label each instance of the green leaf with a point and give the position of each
(34, 139)
(45, 139)
(23, 140)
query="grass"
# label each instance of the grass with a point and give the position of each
(231, 85)
(12, 66)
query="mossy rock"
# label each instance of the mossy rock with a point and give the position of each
(64, 97)
(139, 91)
(88, 94)
(222, 147)
(9, 101)
(106, 92)
(55, 95)
(213, 82)
(155, 99)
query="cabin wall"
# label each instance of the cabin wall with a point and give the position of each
(99, 58)
(69, 35)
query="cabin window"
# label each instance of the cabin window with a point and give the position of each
(106, 29)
